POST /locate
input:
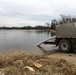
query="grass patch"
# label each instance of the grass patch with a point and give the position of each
(14, 63)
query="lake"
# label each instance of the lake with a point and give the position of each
(23, 40)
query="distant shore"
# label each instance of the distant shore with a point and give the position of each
(48, 30)
(53, 31)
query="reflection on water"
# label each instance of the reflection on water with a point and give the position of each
(22, 40)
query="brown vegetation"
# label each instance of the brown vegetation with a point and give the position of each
(18, 63)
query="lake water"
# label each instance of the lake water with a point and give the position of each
(23, 40)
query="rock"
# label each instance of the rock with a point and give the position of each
(37, 65)
(2, 72)
(29, 69)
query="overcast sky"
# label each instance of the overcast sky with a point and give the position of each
(34, 12)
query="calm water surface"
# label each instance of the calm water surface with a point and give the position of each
(22, 40)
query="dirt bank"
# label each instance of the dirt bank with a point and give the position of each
(70, 57)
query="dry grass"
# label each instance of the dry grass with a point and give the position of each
(13, 63)
(53, 31)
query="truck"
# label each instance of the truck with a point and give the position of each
(65, 37)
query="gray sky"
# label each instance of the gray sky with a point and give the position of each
(34, 12)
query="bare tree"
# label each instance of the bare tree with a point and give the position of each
(48, 24)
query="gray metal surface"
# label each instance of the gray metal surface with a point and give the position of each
(66, 30)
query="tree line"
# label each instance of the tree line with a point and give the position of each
(64, 19)
(27, 27)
